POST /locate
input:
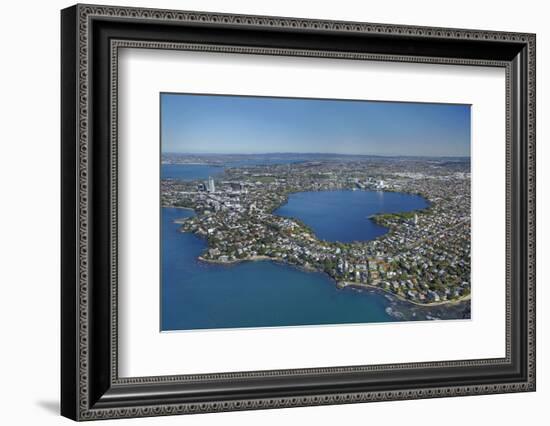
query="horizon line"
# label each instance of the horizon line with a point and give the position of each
(317, 153)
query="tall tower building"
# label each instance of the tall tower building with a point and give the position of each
(211, 185)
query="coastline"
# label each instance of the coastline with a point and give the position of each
(192, 164)
(179, 221)
(263, 258)
(177, 207)
(344, 284)
(232, 262)
(339, 284)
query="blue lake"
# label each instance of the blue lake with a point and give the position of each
(344, 215)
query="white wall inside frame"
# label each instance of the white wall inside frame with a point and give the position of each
(144, 351)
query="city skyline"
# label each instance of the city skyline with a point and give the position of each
(220, 124)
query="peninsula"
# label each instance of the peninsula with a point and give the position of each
(424, 257)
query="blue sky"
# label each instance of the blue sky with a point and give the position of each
(241, 124)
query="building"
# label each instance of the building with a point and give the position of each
(236, 186)
(211, 185)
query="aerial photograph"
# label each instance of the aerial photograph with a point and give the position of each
(279, 212)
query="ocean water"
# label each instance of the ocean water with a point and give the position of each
(189, 171)
(203, 171)
(344, 215)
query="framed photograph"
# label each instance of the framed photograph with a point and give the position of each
(263, 212)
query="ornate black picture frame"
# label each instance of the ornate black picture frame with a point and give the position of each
(90, 38)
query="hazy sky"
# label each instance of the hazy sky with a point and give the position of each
(240, 124)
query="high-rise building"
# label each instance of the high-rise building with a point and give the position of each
(211, 184)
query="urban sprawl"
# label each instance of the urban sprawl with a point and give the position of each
(423, 258)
